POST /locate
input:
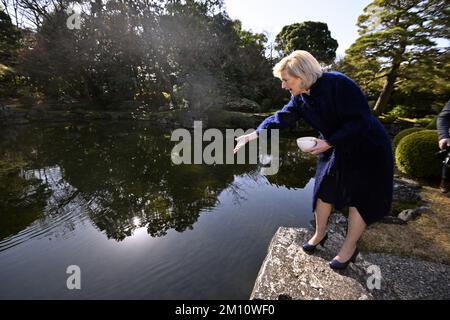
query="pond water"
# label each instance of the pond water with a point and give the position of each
(107, 198)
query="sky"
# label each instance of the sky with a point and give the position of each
(272, 15)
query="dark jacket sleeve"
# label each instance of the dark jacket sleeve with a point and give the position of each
(353, 113)
(284, 118)
(443, 122)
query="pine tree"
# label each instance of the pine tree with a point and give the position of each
(395, 34)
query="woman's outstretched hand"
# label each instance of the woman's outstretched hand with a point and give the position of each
(320, 147)
(242, 140)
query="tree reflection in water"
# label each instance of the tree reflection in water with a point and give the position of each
(121, 177)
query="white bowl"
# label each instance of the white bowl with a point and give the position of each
(306, 143)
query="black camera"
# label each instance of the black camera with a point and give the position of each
(444, 152)
(445, 155)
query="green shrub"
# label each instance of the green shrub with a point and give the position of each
(400, 111)
(386, 118)
(403, 134)
(416, 154)
(425, 121)
(432, 124)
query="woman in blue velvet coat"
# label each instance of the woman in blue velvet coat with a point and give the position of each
(355, 162)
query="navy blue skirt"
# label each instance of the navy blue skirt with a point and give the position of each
(328, 188)
(328, 191)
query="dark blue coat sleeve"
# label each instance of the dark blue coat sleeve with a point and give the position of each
(443, 122)
(352, 111)
(284, 118)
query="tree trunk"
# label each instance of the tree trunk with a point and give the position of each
(388, 88)
(389, 84)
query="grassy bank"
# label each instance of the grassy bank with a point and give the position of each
(427, 237)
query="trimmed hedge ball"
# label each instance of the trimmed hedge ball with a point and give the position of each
(416, 154)
(403, 134)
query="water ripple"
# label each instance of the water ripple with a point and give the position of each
(64, 210)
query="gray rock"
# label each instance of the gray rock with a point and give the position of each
(407, 182)
(289, 273)
(243, 105)
(411, 214)
(406, 190)
(407, 215)
(423, 210)
(392, 220)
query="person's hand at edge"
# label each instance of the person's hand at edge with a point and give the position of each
(444, 143)
(242, 140)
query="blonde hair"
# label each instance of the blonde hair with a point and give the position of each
(301, 64)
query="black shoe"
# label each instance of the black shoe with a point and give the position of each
(445, 186)
(309, 248)
(335, 264)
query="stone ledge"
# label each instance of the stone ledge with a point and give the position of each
(289, 273)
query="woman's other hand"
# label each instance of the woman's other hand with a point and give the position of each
(443, 143)
(320, 147)
(242, 140)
